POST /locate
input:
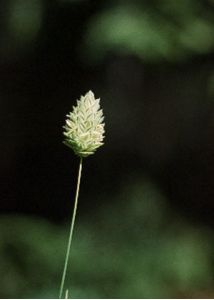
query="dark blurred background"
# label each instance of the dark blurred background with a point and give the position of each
(145, 224)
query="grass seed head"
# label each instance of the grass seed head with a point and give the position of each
(84, 128)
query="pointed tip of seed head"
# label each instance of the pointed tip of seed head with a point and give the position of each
(90, 93)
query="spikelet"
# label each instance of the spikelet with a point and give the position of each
(84, 128)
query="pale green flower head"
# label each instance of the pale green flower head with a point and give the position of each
(84, 128)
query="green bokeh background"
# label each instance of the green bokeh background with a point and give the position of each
(132, 248)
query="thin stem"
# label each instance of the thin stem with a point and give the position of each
(71, 230)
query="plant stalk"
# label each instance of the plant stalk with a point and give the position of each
(71, 231)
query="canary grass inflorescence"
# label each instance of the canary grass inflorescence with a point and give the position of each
(84, 133)
(84, 129)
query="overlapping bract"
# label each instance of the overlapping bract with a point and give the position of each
(84, 129)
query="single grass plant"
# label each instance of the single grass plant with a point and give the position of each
(84, 134)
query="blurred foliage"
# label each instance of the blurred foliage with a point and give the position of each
(21, 22)
(25, 18)
(135, 248)
(152, 30)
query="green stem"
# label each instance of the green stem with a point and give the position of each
(71, 230)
